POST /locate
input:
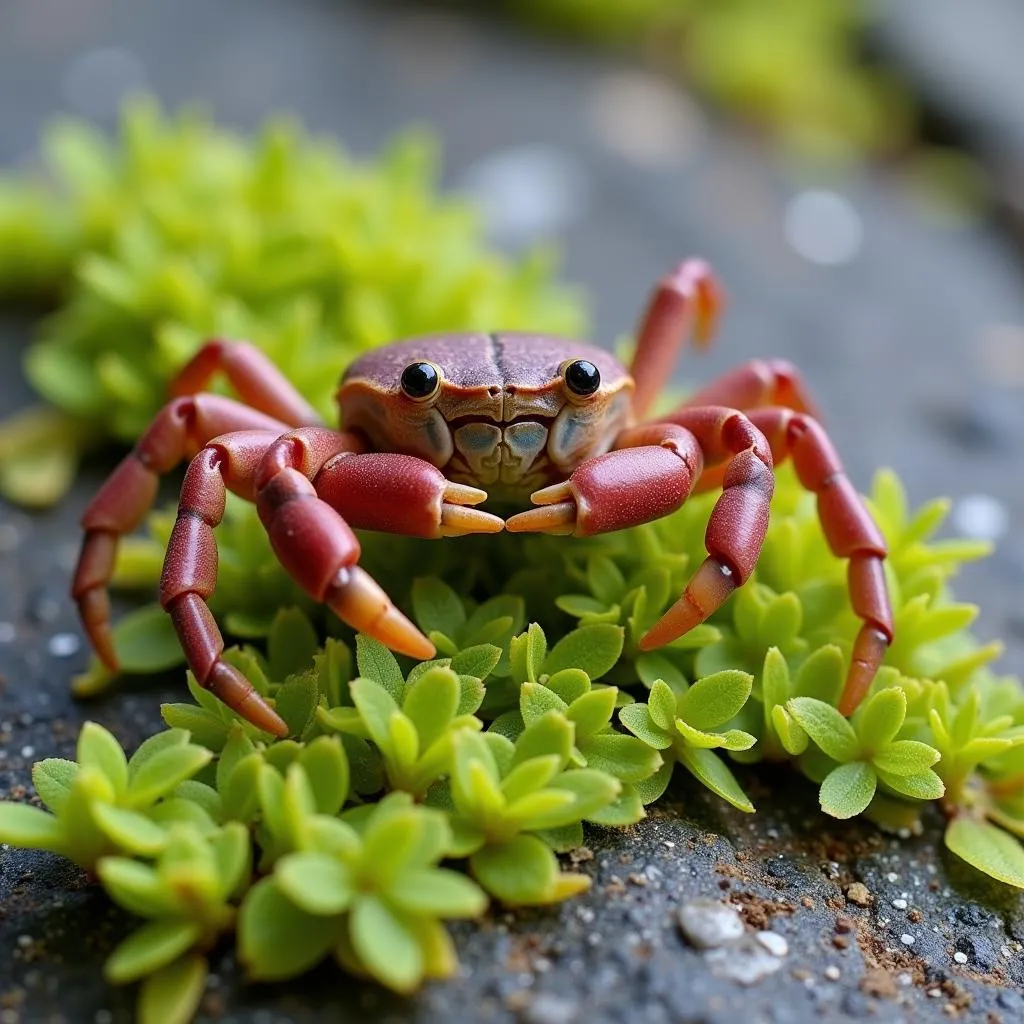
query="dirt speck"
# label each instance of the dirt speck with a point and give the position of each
(858, 893)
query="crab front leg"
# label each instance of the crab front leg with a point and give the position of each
(638, 483)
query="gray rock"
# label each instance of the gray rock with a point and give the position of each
(746, 962)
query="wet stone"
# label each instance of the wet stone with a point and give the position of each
(709, 924)
(548, 1008)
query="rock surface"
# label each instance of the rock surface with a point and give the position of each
(903, 342)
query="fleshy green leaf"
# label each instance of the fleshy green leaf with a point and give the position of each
(376, 662)
(98, 749)
(715, 699)
(713, 772)
(905, 757)
(437, 892)
(823, 723)
(386, 946)
(521, 871)
(315, 882)
(437, 607)
(276, 939)
(53, 778)
(173, 994)
(880, 718)
(594, 649)
(987, 848)
(153, 946)
(637, 719)
(848, 789)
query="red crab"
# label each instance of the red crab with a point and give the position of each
(431, 428)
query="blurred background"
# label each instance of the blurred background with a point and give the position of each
(851, 170)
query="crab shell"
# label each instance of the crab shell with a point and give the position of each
(502, 419)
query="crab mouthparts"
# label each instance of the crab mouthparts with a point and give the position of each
(510, 453)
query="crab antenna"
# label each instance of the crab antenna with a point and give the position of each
(689, 295)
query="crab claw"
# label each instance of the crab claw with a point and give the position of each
(458, 519)
(357, 600)
(557, 513)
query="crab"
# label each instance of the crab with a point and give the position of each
(434, 427)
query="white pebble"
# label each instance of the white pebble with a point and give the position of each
(960, 957)
(708, 923)
(774, 943)
(63, 645)
(900, 904)
(27, 751)
(823, 227)
(7, 632)
(907, 939)
(832, 973)
(892, 877)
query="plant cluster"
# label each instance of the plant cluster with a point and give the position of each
(499, 752)
(179, 231)
(794, 67)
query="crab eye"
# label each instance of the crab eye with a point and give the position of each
(420, 380)
(582, 377)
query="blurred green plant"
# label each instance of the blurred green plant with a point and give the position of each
(178, 231)
(793, 67)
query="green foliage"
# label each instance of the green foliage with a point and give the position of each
(179, 230)
(793, 66)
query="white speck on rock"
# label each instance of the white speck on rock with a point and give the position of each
(774, 943)
(547, 1008)
(892, 877)
(900, 904)
(27, 751)
(907, 939)
(7, 632)
(745, 962)
(708, 924)
(832, 972)
(960, 956)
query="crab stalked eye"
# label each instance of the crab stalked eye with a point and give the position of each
(582, 377)
(420, 380)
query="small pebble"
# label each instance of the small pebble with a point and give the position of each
(823, 227)
(63, 645)
(27, 751)
(907, 939)
(892, 877)
(7, 632)
(832, 972)
(547, 1008)
(980, 517)
(745, 962)
(960, 957)
(773, 942)
(858, 893)
(900, 904)
(708, 923)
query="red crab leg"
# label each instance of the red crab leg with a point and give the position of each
(850, 531)
(759, 383)
(256, 380)
(190, 569)
(689, 295)
(182, 426)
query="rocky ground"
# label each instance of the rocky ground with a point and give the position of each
(911, 330)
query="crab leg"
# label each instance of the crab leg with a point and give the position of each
(689, 295)
(190, 569)
(850, 531)
(756, 384)
(257, 381)
(182, 426)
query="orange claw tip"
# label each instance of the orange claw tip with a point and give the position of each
(868, 652)
(679, 619)
(457, 521)
(463, 494)
(558, 518)
(394, 630)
